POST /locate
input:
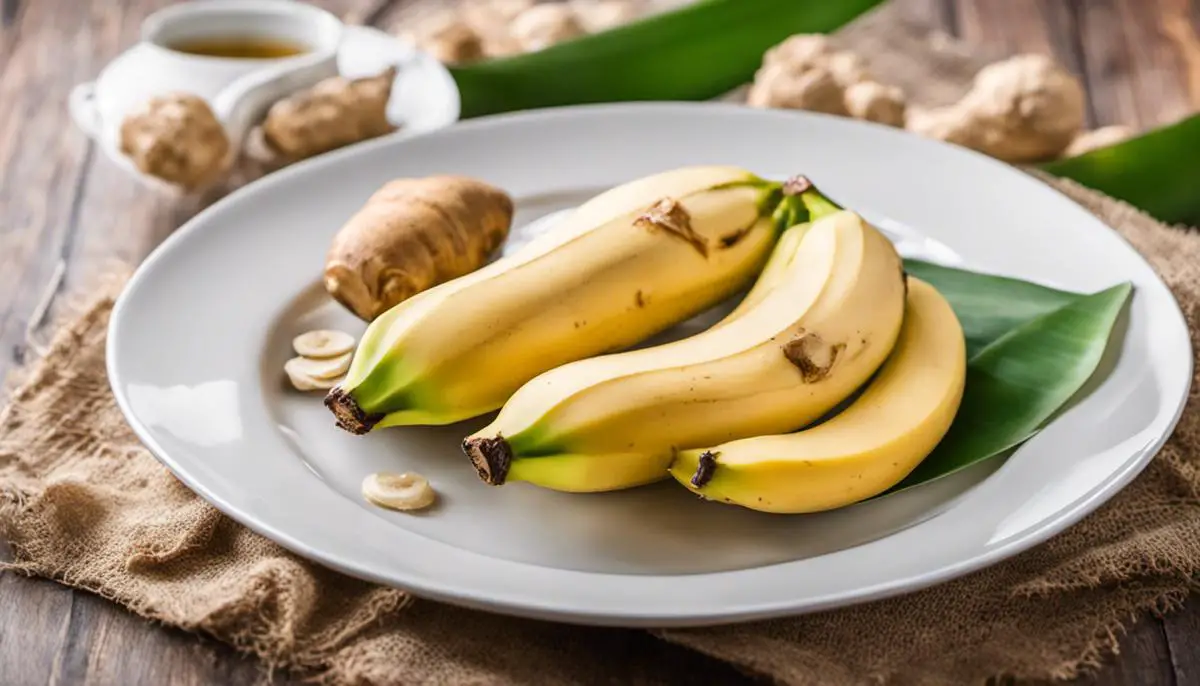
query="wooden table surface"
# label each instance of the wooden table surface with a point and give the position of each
(61, 201)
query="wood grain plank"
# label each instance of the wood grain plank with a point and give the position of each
(1144, 659)
(58, 200)
(1047, 27)
(1181, 23)
(1107, 63)
(42, 156)
(367, 13)
(32, 623)
(938, 15)
(1135, 67)
(1158, 68)
(1182, 629)
(116, 647)
(1014, 26)
(8, 12)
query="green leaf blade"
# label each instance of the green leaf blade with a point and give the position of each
(1019, 381)
(988, 306)
(697, 52)
(1158, 171)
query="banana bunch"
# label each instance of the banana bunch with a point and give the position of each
(824, 315)
(624, 266)
(867, 448)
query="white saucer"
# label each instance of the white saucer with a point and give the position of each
(424, 95)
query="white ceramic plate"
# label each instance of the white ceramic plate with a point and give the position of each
(199, 338)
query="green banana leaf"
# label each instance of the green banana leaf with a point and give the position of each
(696, 52)
(989, 306)
(1158, 171)
(1018, 378)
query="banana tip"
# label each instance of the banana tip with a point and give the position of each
(706, 466)
(491, 457)
(350, 416)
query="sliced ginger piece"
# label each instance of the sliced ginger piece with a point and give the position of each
(302, 381)
(323, 343)
(407, 491)
(321, 370)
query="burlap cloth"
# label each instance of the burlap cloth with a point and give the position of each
(81, 501)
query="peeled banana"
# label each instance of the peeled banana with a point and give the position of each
(863, 451)
(826, 316)
(629, 263)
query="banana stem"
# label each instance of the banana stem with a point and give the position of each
(802, 203)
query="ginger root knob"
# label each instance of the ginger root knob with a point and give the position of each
(876, 102)
(544, 25)
(781, 85)
(333, 113)
(411, 235)
(177, 138)
(802, 51)
(1023, 109)
(451, 39)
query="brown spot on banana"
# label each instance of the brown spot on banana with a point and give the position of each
(863, 344)
(668, 215)
(812, 355)
(639, 299)
(730, 240)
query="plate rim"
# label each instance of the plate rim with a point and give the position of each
(1046, 529)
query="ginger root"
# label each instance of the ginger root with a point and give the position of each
(801, 51)
(176, 137)
(480, 29)
(847, 68)
(490, 19)
(506, 10)
(1102, 137)
(334, 113)
(543, 25)
(1022, 109)
(876, 102)
(601, 15)
(807, 72)
(411, 235)
(782, 85)
(451, 39)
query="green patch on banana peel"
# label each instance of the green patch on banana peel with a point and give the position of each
(1016, 379)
